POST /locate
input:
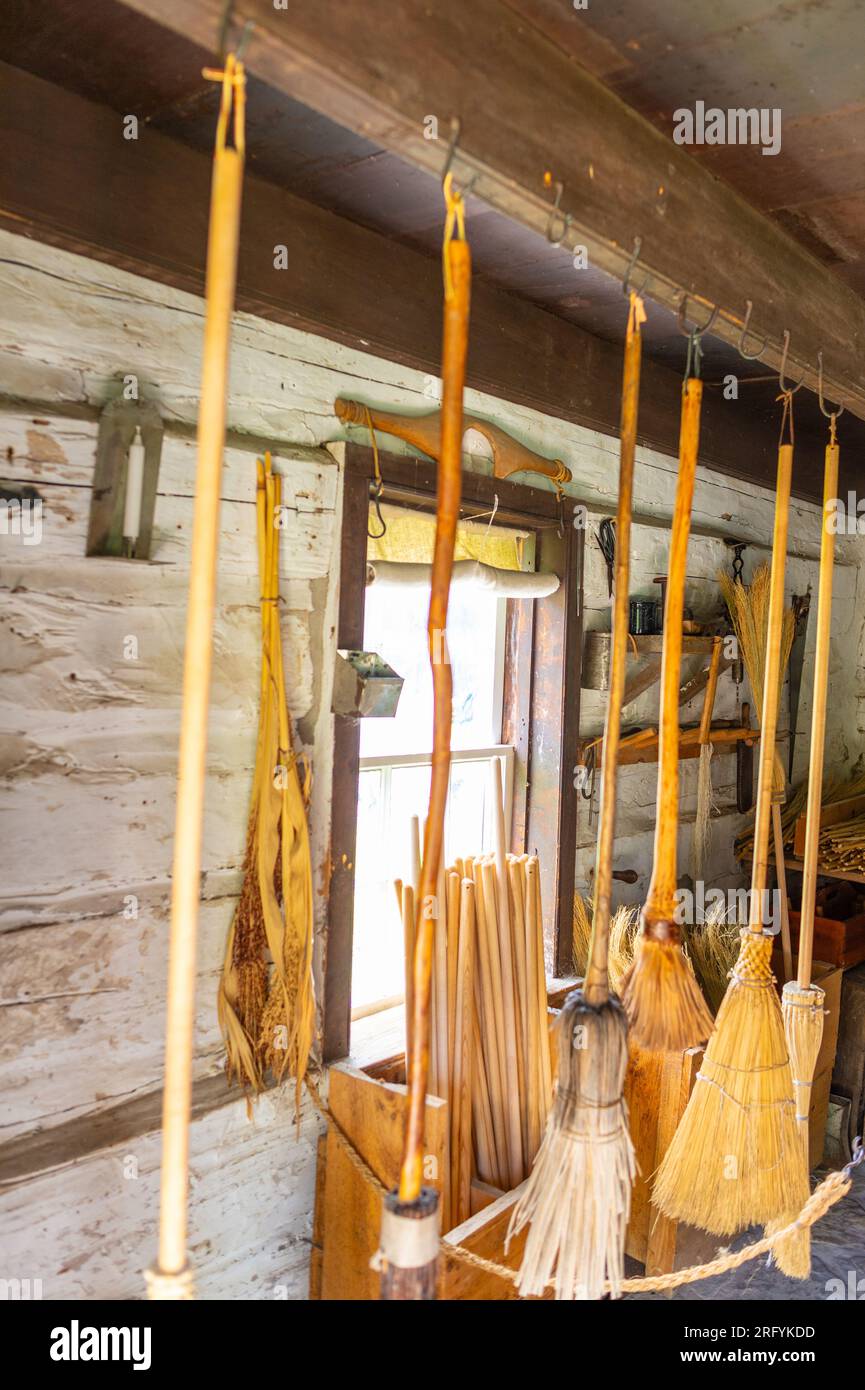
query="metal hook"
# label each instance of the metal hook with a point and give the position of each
(749, 356)
(556, 210)
(693, 332)
(632, 263)
(456, 129)
(224, 26)
(785, 389)
(830, 414)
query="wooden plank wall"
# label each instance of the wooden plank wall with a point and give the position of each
(88, 744)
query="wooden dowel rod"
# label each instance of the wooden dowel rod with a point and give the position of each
(491, 1025)
(222, 248)
(461, 1092)
(408, 927)
(818, 716)
(505, 1026)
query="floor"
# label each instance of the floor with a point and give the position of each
(837, 1262)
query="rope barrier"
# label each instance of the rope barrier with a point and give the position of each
(822, 1199)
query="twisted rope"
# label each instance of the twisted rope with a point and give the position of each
(830, 1191)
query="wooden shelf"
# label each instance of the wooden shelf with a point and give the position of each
(644, 664)
(640, 748)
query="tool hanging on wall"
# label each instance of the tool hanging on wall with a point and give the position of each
(705, 798)
(266, 1001)
(578, 1197)
(427, 432)
(735, 1159)
(802, 1001)
(801, 604)
(606, 538)
(408, 1252)
(665, 1007)
(171, 1277)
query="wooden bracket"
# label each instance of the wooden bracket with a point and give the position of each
(424, 432)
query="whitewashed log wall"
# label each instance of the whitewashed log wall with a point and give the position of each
(88, 742)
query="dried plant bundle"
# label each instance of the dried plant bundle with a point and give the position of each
(748, 606)
(266, 1003)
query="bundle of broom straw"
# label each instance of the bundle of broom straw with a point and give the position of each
(266, 1003)
(489, 1039)
(748, 606)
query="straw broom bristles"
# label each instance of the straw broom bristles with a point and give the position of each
(803, 1014)
(705, 806)
(748, 606)
(579, 1195)
(737, 1145)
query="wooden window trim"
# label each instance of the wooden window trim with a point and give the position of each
(541, 715)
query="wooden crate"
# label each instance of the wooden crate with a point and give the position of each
(369, 1107)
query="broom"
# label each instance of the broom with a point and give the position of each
(705, 795)
(802, 1001)
(665, 1008)
(736, 1156)
(408, 1252)
(578, 1197)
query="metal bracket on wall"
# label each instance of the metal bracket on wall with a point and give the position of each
(117, 431)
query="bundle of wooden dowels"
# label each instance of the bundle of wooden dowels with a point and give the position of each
(489, 1042)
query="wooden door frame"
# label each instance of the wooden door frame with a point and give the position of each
(547, 641)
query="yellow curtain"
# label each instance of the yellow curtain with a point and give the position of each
(409, 538)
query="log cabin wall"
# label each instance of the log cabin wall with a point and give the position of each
(90, 738)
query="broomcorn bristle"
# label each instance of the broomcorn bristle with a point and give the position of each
(736, 1157)
(578, 1197)
(665, 1006)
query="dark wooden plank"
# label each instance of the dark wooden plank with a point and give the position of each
(622, 176)
(346, 765)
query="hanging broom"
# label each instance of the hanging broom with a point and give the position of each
(266, 1001)
(578, 1197)
(736, 1155)
(705, 795)
(170, 1279)
(802, 1001)
(665, 1008)
(408, 1252)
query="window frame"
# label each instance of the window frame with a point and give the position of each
(541, 713)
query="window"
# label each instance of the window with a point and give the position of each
(516, 671)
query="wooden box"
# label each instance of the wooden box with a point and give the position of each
(837, 943)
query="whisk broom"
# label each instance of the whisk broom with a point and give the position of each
(802, 1001)
(736, 1156)
(578, 1197)
(665, 1007)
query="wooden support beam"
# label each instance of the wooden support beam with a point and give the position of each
(525, 107)
(69, 178)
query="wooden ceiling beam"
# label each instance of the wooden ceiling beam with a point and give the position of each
(526, 107)
(69, 178)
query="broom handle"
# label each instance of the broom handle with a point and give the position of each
(818, 718)
(769, 716)
(661, 898)
(222, 245)
(711, 687)
(596, 985)
(454, 347)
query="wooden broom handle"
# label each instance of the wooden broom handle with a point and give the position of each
(818, 721)
(222, 247)
(596, 986)
(769, 716)
(425, 432)
(711, 687)
(454, 349)
(661, 898)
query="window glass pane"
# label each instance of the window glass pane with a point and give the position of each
(395, 627)
(377, 956)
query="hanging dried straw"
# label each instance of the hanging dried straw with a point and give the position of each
(748, 606)
(266, 1002)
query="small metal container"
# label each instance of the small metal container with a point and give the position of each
(364, 686)
(643, 617)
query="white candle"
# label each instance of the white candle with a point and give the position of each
(134, 488)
